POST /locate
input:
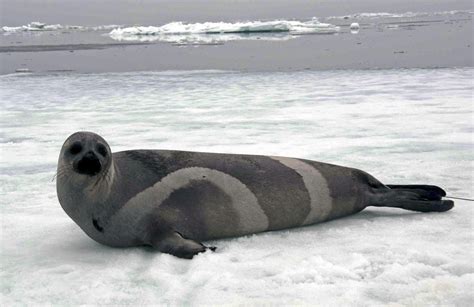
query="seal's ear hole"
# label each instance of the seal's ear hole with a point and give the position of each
(75, 148)
(102, 150)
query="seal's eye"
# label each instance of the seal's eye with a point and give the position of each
(75, 148)
(102, 150)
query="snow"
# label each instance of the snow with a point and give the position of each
(402, 126)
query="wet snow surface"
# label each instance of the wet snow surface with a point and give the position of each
(402, 126)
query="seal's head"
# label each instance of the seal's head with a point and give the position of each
(84, 177)
(86, 154)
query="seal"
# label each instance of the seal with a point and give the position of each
(173, 200)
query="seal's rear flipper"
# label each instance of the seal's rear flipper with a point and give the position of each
(431, 188)
(425, 205)
(417, 198)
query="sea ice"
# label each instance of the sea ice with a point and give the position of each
(179, 32)
(37, 26)
(402, 126)
(354, 26)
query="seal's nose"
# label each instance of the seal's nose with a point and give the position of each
(90, 155)
(89, 164)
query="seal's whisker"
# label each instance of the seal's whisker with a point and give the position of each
(61, 171)
(103, 176)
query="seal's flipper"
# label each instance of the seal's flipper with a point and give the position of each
(419, 193)
(416, 199)
(431, 188)
(175, 244)
(426, 206)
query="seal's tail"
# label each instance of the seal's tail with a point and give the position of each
(422, 198)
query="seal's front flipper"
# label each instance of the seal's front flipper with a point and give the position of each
(175, 244)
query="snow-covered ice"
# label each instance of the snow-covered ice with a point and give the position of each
(190, 33)
(354, 26)
(37, 26)
(375, 15)
(206, 32)
(402, 126)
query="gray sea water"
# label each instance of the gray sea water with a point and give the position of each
(402, 126)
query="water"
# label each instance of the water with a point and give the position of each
(183, 32)
(402, 126)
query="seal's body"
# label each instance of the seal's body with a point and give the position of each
(171, 200)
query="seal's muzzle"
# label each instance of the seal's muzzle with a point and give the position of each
(88, 165)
